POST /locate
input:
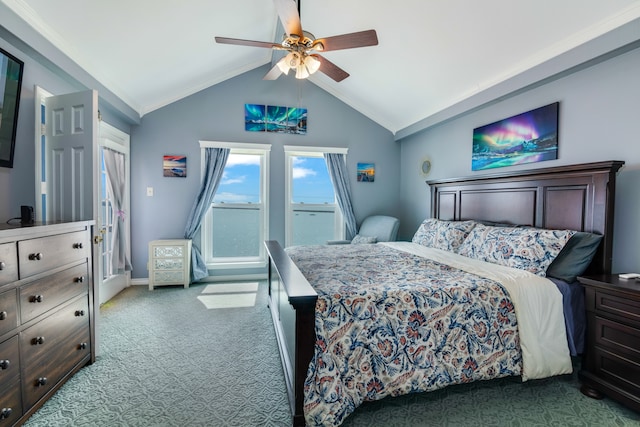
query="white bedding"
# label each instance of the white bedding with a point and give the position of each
(538, 307)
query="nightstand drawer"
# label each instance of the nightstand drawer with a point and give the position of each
(626, 308)
(168, 264)
(618, 370)
(619, 338)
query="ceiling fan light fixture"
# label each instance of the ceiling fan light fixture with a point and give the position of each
(301, 71)
(293, 59)
(312, 63)
(283, 65)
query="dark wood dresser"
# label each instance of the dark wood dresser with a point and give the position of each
(47, 313)
(611, 365)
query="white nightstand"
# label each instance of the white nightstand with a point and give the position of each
(169, 262)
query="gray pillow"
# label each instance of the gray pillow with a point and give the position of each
(358, 239)
(575, 257)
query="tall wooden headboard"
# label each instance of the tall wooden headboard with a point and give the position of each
(576, 197)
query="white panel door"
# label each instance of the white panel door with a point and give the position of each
(71, 167)
(72, 135)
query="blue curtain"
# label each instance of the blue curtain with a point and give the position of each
(215, 160)
(340, 179)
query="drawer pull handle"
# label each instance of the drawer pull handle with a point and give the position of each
(5, 413)
(2, 265)
(83, 346)
(77, 246)
(41, 381)
(35, 257)
(79, 313)
(36, 298)
(79, 279)
(3, 315)
(37, 340)
(4, 364)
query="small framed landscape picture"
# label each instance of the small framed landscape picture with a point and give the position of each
(174, 166)
(366, 172)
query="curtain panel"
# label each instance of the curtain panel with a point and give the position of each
(114, 165)
(337, 167)
(215, 161)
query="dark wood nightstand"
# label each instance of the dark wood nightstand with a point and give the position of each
(611, 365)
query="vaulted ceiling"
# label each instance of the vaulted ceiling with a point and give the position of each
(432, 54)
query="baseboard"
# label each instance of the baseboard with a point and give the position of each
(233, 278)
(210, 279)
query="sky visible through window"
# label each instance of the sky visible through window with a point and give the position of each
(241, 180)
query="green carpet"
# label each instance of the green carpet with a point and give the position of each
(168, 360)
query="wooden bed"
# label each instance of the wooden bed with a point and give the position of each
(577, 197)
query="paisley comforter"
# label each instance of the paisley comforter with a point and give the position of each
(398, 318)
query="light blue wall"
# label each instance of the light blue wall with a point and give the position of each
(599, 114)
(217, 114)
(17, 184)
(599, 120)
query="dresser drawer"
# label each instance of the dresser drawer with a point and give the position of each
(617, 337)
(45, 253)
(8, 311)
(10, 404)
(8, 263)
(9, 360)
(44, 294)
(618, 305)
(52, 347)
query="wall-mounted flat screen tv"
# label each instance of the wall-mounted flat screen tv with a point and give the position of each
(11, 69)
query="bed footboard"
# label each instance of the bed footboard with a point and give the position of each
(292, 302)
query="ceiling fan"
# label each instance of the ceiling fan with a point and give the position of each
(302, 46)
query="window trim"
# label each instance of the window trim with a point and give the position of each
(260, 261)
(291, 151)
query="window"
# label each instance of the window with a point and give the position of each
(313, 215)
(236, 224)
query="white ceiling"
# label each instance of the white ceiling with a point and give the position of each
(431, 55)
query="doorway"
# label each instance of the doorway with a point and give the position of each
(90, 198)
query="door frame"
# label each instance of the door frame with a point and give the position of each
(112, 138)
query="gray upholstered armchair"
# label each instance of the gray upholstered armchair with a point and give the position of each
(375, 228)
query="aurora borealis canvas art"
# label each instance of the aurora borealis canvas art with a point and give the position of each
(526, 138)
(271, 118)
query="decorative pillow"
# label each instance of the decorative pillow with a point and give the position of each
(575, 257)
(530, 249)
(358, 239)
(445, 235)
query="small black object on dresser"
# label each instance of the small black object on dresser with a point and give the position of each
(611, 365)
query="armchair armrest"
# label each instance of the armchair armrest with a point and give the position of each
(338, 242)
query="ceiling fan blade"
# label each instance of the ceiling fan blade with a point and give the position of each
(273, 73)
(331, 69)
(226, 40)
(289, 16)
(348, 41)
